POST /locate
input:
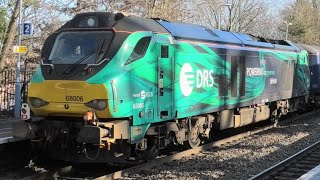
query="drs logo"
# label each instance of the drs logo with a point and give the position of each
(189, 79)
(74, 98)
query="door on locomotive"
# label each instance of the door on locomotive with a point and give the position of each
(165, 64)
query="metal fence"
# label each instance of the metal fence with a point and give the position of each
(7, 88)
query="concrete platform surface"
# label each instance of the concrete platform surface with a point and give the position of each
(6, 130)
(313, 174)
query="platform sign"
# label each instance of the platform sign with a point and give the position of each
(26, 29)
(20, 49)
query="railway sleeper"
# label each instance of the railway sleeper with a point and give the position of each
(297, 170)
(304, 166)
(316, 156)
(290, 174)
(312, 159)
(306, 162)
(282, 178)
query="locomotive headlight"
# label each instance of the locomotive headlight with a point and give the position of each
(91, 22)
(97, 104)
(102, 104)
(88, 22)
(37, 102)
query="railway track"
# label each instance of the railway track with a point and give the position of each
(294, 166)
(157, 162)
(104, 172)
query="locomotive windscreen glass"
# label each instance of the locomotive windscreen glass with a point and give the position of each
(83, 47)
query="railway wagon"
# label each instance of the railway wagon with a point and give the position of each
(112, 88)
(314, 66)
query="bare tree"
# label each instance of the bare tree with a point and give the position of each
(164, 9)
(234, 15)
(267, 26)
(257, 17)
(209, 12)
(168, 10)
(9, 39)
(251, 16)
(304, 17)
(3, 25)
(245, 13)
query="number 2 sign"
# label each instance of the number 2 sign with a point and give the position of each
(26, 29)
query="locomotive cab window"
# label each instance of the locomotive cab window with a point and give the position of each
(140, 49)
(83, 47)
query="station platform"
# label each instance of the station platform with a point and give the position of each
(6, 130)
(313, 174)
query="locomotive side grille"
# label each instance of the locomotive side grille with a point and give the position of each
(287, 70)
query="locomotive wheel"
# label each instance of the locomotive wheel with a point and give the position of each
(193, 143)
(274, 120)
(150, 153)
(195, 140)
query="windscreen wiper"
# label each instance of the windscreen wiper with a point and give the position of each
(100, 48)
(73, 66)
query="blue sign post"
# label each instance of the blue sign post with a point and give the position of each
(26, 29)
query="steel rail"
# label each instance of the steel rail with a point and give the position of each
(285, 164)
(167, 159)
(180, 155)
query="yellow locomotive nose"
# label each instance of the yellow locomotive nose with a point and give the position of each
(68, 98)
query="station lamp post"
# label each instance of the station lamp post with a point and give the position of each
(230, 19)
(229, 5)
(17, 97)
(287, 29)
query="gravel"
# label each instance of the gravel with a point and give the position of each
(242, 159)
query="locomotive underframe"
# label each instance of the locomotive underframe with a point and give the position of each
(315, 99)
(110, 141)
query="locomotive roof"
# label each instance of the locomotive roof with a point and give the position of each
(310, 48)
(202, 33)
(117, 21)
(179, 31)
